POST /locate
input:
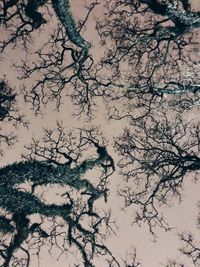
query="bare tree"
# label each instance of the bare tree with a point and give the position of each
(150, 48)
(173, 263)
(151, 45)
(190, 249)
(20, 18)
(23, 17)
(156, 40)
(64, 60)
(76, 221)
(64, 71)
(156, 156)
(9, 114)
(190, 246)
(130, 261)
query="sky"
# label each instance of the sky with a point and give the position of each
(181, 216)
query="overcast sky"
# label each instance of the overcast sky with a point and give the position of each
(180, 216)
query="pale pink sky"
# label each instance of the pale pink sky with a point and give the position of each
(182, 217)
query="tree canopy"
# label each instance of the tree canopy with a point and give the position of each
(126, 74)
